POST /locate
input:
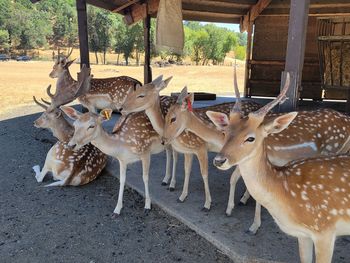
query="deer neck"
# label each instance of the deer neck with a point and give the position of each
(155, 115)
(262, 179)
(63, 131)
(107, 143)
(65, 79)
(207, 133)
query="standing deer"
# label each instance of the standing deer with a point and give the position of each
(308, 199)
(134, 140)
(301, 139)
(103, 93)
(146, 98)
(67, 166)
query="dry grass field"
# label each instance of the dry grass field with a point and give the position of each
(19, 81)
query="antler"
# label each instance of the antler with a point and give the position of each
(280, 99)
(45, 101)
(48, 91)
(238, 105)
(70, 53)
(40, 104)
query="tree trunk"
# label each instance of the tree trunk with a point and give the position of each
(96, 57)
(104, 57)
(118, 59)
(126, 61)
(137, 57)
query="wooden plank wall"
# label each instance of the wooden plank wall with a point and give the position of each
(268, 57)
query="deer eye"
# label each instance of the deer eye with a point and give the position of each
(250, 139)
(173, 119)
(141, 96)
(91, 127)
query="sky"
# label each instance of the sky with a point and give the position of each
(234, 27)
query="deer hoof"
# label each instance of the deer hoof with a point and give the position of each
(180, 201)
(241, 203)
(114, 216)
(164, 183)
(204, 209)
(250, 233)
(146, 211)
(171, 189)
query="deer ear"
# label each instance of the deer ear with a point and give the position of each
(106, 114)
(279, 123)
(70, 112)
(187, 102)
(219, 119)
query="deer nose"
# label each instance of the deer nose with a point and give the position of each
(219, 160)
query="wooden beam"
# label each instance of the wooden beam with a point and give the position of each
(83, 33)
(247, 59)
(253, 13)
(212, 8)
(205, 18)
(295, 52)
(127, 4)
(226, 4)
(138, 11)
(102, 4)
(147, 71)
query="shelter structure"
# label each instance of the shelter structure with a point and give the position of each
(283, 36)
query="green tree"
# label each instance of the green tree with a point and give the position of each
(4, 40)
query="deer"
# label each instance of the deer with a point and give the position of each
(134, 140)
(308, 198)
(279, 151)
(146, 98)
(67, 166)
(103, 93)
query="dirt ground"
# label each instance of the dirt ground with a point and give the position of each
(19, 81)
(73, 224)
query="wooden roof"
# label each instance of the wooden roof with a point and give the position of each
(224, 11)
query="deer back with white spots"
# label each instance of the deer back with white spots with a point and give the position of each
(68, 167)
(309, 198)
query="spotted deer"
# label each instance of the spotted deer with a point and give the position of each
(67, 166)
(309, 198)
(146, 98)
(103, 93)
(307, 136)
(134, 140)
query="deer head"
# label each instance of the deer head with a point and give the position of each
(61, 65)
(246, 134)
(145, 96)
(177, 117)
(68, 94)
(49, 117)
(87, 126)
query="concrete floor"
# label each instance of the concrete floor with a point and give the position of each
(270, 244)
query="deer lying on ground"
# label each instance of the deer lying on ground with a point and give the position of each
(134, 140)
(146, 98)
(300, 140)
(68, 167)
(308, 199)
(103, 93)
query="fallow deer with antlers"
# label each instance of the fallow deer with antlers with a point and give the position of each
(146, 98)
(308, 199)
(67, 166)
(134, 140)
(297, 139)
(103, 93)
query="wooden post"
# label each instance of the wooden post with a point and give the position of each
(298, 18)
(83, 33)
(147, 71)
(247, 60)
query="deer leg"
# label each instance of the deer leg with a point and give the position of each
(167, 169)
(173, 176)
(257, 219)
(145, 176)
(306, 247)
(203, 163)
(231, 199)
(245, 197)
(324, 246)
(122, 167)
(188, 168)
